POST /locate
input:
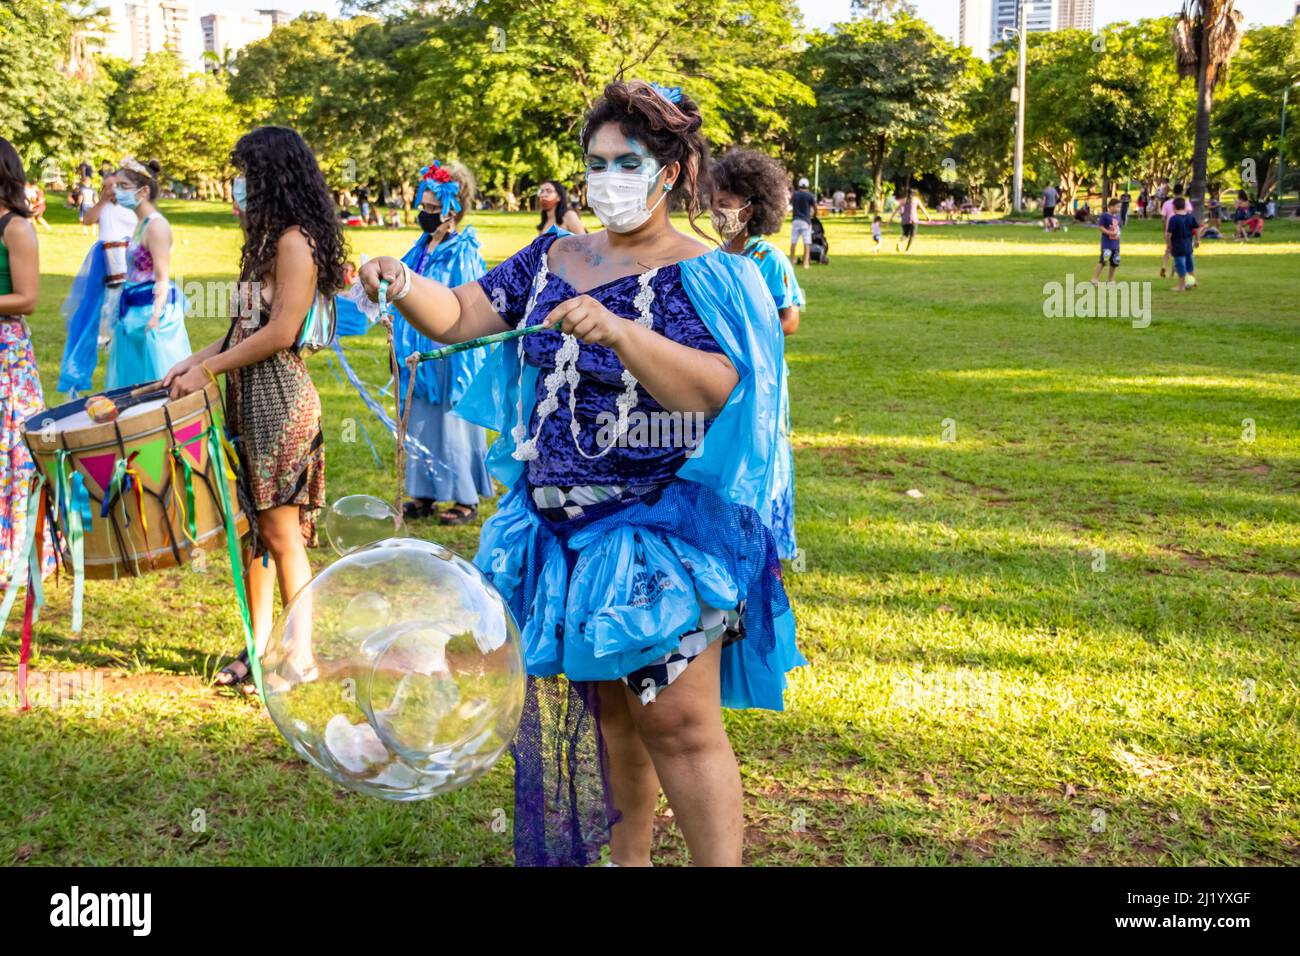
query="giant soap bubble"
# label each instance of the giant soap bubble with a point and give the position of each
(355, 521)
(398, 671)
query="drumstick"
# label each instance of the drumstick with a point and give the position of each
(479, 342)
(103, 409)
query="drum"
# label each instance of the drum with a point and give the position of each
(146, 487)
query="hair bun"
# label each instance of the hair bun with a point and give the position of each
(154, 167)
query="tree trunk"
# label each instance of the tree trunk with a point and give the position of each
(1201, 144)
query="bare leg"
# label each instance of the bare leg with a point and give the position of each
(261, 600)
(683, 732)
(282, 534)
(632, 779)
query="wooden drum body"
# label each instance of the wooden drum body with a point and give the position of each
(156, 440)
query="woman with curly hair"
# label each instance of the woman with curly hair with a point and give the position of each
(149, 335)
(292, 262)
(749, 200)
(450, 463)
(553, 201)
(634, 545)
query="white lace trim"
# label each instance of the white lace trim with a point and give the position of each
(566, 373)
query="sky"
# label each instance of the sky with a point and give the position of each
(942, 14)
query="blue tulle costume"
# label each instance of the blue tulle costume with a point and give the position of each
(778, 275)
(627, 579)
(457, 468)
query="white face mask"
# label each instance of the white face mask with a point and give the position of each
(619, 199)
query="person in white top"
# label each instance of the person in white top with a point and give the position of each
(1167, 210)
(116, 226)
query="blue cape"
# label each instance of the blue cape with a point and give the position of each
(81, 309)
(455, 261)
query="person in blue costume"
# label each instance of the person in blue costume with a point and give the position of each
(750, 195)
(149, 337)
(91, 307)
(455, 469)
(634, 546)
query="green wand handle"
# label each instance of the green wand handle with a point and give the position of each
(477, 343)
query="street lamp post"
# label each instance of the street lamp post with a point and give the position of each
(1020, 114)
(817, 168)
(1018, 97)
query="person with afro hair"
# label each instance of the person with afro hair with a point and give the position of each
(750, 194)
(749, 200)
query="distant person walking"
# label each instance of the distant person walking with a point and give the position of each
(908, 209)
(1166, 211)
(1050, 198)
(802, 204)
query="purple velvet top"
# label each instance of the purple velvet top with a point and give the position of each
(632, 461)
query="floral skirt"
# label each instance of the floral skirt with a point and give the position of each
(20, 385)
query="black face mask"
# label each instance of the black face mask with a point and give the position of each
(429, 221)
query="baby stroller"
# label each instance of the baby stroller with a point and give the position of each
(819, 246)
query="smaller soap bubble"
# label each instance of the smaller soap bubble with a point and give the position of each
(355, 521)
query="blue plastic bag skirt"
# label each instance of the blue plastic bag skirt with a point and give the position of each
(140, 354)
(82, 309)
(601, 595)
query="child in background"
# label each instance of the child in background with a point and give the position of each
(1255, 225)
(1181, 237)
(1108, 223)
(36, 203)
(875, 235)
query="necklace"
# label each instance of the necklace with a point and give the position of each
(566, 373)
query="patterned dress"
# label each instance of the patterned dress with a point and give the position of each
(20, 398)
(273, 415)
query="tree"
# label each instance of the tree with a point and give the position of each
(503, 87)
(51, 118)
(184, 120)
(1205, 40)
(1114, 126)
(87, 22)
(1247, 122)
(885, 89)
(1171, 105)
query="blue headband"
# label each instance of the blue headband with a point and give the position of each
(444, 187)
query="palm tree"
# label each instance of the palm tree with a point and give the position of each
(1206, 38)
(88, 22)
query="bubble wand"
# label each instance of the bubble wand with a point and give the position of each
(478, 343)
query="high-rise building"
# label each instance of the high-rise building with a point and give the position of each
(278, 17)
(974, 20)
(137, 28)
(226, 34)
(982, 23)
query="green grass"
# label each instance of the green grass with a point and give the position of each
(979, 690)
